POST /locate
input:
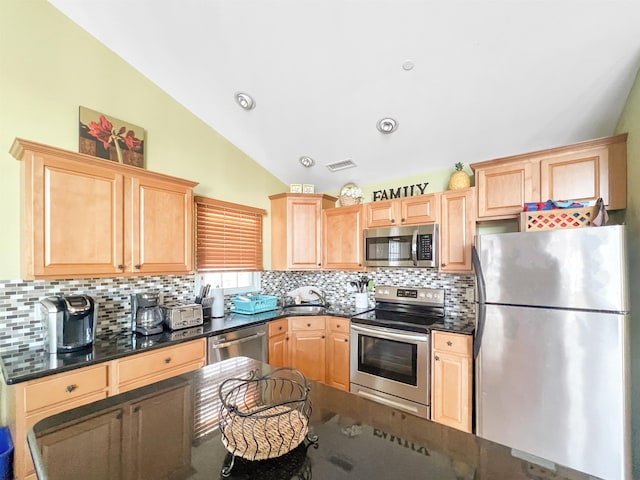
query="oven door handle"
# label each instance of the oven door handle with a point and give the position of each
(414, 248)
(389, 334)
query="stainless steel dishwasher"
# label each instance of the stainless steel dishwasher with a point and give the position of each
(245, 342)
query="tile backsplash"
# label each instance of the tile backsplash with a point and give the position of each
(335, 285)
(19, 329)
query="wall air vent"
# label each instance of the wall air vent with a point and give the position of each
(342, 165)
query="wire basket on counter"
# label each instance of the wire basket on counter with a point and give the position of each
(264, 417)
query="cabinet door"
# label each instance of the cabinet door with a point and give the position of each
(457, 230)
(578, 176)
(451, 402)
(337, 374)
(382, 214)
(419, 210)
(342, 238)
(279, 350)
(68, 450)
(303, 233)
(503, 190)
(74, 219)
(162, 227)
(307, 350)
(161, 435)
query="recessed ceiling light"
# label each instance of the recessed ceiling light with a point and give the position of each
(245, 100)
(387, 125)
(307, 161)
(408, 65)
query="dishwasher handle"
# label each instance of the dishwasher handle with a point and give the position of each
(220, 346)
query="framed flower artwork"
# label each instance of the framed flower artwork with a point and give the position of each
(107, 137)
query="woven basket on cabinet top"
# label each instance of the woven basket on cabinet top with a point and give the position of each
(348, 200)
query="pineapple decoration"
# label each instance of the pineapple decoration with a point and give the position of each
(459, 179)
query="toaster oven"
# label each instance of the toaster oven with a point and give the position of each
(176, 317)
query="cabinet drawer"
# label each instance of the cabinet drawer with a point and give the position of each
(152, 363)
(339, 325)
(278, 326)
(452, 342)
(65, 387)
(307, 323)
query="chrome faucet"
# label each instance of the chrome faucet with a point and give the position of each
(321, 296)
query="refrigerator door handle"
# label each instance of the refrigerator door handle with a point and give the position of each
(482, 295)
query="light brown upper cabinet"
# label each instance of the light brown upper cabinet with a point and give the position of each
(84, 216)
(457, 229)
(342, 238)
(583, 172)
(402, 211)
(296, 230)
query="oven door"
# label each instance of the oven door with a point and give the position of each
(391, 366)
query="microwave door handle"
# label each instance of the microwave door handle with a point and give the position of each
(414, 248)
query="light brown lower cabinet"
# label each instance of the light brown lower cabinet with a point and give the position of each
(150, 436)
(279, 343)
(317, 346)
(29, 402)
(452, 379)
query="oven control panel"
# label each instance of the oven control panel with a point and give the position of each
(415, 295)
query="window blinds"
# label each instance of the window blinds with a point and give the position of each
(228, 236)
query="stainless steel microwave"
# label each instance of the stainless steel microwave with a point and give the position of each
(405, 246)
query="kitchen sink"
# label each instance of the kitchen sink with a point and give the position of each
(304, 309)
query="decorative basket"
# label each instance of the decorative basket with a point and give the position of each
(251, 304)
(346, 200)
(558, 219)
(264, 417)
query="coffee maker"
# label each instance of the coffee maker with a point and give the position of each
(69, 322)
(146, 315)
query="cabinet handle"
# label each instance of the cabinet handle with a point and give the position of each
(402, 220)
(443, 264)
(287, 339)
(167, 360)
(71, 388)
(322, 336)
(393, 220)
(308, 324)
(137, 267)
(280, 327)
(338, 325)
(449, 342)
(120, 267)
(437, 358)
(136, 409)
(346, 339)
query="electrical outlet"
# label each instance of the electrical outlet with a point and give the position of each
(470, 294)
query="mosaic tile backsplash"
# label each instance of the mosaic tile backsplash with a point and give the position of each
(336, 285)
(20, 330)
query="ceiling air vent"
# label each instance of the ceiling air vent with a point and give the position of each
(334, 167)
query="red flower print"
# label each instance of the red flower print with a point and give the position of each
(101, 131)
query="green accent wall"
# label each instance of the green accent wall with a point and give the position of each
(630, 122)
(50, 66)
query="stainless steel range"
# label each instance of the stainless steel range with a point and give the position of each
(390, 347)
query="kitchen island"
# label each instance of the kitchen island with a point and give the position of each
(168, 430)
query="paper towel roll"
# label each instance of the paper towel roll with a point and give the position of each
(217, 309)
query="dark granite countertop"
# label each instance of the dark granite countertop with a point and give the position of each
(357, 439)
(23, 365)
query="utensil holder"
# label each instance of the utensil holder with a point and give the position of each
(362, 300)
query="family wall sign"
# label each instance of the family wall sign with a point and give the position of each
(406, 191)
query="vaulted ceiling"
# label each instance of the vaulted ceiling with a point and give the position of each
(466, 80)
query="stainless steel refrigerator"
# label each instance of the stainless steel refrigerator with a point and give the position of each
(552, 366)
